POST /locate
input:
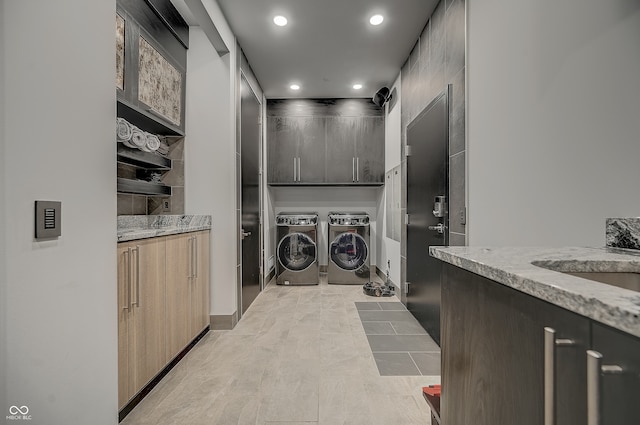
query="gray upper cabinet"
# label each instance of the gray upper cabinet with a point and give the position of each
(325, 142)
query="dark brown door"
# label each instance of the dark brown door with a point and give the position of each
(427, 172)
(250, 206)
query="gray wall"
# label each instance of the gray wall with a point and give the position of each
(59, 300)
(438, 59)
(3, 269)
(554, 121)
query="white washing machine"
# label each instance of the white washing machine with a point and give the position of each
(297, 249)
(348, 248)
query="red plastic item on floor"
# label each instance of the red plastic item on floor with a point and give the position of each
(432, 395)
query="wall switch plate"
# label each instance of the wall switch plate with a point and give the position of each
(48, 219)
(463, 216)
(166, 205)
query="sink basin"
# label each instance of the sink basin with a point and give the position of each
(625, 280)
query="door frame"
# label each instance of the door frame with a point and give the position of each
(242, 76)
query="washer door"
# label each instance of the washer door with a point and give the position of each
(348, 251)
(296, 252)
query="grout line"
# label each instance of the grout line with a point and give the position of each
(414, 362)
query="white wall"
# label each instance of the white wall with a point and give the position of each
(210, 147)
(59, 144)
(324, 200)
(553, 122)
(389, 249)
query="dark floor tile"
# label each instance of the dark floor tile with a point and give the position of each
(378, 328)
(396, 343)
(428, 363)
(408, 327)
(395, 364)
(393, 306)
(385, 316)
(367, 306)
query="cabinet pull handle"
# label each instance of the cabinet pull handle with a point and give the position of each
(595, 371)
(137, 251)
(127, 287)
(299, 173)
(550, 344)
(130, 277)
(195, 257)
(190, 273)
(295, 179)
(357, 168)
(353, 169)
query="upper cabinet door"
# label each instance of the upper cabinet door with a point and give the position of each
(369, 136)
(311, 149)
(283, 134)
(341, 149)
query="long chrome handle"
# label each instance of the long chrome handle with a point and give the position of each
(357, 168)
(130, 278)
(299, 173)
(595, 371)
(195, 256)
(190, 275)
(137, 251)
(127, 287)
(353, 169)
(550, 344)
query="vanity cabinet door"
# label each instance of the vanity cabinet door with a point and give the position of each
(283, 136)
(619, 391)
(493, 358)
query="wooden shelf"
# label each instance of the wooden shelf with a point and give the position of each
(141, 187)
(138, 158)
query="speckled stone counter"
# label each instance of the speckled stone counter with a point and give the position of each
(623, 232)
(537, 272)
(134, 227)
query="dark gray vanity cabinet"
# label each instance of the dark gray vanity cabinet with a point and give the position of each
(369, 143)
(510, 358)
(619, 375)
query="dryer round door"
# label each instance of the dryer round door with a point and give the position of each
(296, 252)
(349, 251)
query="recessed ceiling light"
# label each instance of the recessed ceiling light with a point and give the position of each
(294, 87)
(280, 21)
(357, 86)
(376, 19)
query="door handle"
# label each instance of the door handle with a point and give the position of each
(127, 287)
(595, 371)
(550, 344)
(440, 228)
(195, 256)
(245, 234)
(299, 173)
(295, 179)
(137, 252)
(357, 168)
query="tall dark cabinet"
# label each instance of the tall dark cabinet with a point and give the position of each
(325, 142)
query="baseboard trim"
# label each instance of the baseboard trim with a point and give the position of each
(156, 380)
(220, 322)
(270, 276)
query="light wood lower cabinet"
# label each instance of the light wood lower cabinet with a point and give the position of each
(163, 304)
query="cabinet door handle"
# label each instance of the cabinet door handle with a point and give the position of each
(195, 257)
(353, 169)
(357, 168)
(190, 275)
(295, 179)
(550, 344)
(137, 251)
(595, 371)
(127, 287)
(299, 173)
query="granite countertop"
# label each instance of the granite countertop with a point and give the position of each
(538, 271)
(134, 227)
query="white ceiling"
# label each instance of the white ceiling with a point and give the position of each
(328, 45)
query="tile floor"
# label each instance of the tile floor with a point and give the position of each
(399, 344)
(299, 355)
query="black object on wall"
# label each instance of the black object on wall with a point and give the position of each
(325, 142)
